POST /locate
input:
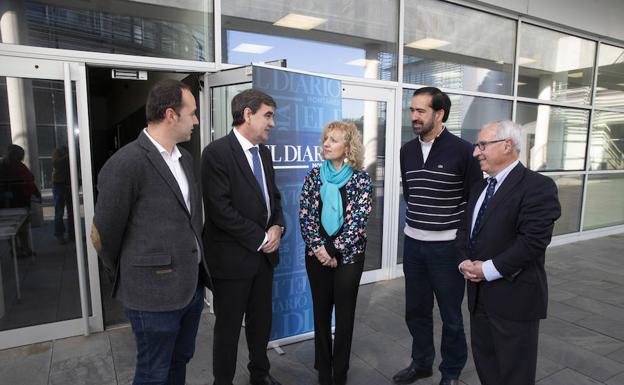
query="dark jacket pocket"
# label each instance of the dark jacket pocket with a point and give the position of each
(152, 260)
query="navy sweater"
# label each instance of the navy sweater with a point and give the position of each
(436, 192)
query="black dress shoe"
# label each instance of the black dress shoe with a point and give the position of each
(268, 380)
(411, 374)
(448, 381)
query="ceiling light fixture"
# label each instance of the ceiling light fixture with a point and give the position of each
(298, 21)
(428, 43)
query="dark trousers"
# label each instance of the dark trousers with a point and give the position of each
(61, 193)
(333, 288)
(165, 342)
(504, 351)
(232, 299)
(430, 269)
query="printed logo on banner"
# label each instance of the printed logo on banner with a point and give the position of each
(305, 104)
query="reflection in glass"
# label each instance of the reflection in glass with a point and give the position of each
(570, 196)
(468, 115)
(610, 83)
(604, 203)
(38, 265)
(370, 119)
(554, 66)
(171, 29)
(607, 141)
(553, 138)
(335, 37)
(222, 107)
(450, 46)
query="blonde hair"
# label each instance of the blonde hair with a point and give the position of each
(354, 154)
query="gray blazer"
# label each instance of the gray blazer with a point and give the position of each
(149, 240)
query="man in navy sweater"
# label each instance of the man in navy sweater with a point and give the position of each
(437, 169)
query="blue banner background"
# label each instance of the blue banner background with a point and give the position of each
(305, 104)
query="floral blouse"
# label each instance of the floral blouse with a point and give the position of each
(351, 239)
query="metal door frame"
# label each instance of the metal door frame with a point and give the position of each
(351, 89)
(68, 72)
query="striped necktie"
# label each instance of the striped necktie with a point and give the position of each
(488, 195)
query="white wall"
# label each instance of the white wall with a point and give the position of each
(598, 17)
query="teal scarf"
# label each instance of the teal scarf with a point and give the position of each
(332, 181)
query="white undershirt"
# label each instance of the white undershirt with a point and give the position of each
(173, 162)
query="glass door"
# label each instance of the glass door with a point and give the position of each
(45, 203)
(372, 111)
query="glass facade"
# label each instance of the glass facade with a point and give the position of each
(571, 197)
(169, 29)
(554, 66)
(573, 129)
(570, 124)
(607, 141)
(604, 202)
(448, 46)
(335, 37)
(554, 138)
(610, 82)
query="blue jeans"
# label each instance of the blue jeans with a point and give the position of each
(430, 269)
(61, 193)
(165, 342)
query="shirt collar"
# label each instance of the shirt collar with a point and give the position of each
(432, 140)
(500, 177)
(245, 144)
(175, 154)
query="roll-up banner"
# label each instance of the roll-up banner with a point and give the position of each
(305, 104)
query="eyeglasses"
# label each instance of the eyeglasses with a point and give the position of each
(482, 145)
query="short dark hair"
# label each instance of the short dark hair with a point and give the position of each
(164, 94)
(15, 153)
(439, 100)
(252, 99)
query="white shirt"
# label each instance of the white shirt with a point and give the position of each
(246, 145)
(489, 271)
(173, 162)
(429, 235)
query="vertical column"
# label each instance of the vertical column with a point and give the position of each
(19, 91)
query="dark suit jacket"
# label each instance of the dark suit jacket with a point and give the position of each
(516, 229)
(149, 239)
(235, 211)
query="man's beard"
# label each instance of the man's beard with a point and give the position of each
(424, 130)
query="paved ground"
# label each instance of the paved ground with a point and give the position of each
(581, 342)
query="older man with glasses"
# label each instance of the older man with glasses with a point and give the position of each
(502, 242)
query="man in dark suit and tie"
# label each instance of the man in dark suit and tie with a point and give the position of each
(502, 243)
(242, 233)
(147, 230)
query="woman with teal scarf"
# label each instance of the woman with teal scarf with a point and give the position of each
(334, 207)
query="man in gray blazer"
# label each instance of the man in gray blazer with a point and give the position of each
(147, 231)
